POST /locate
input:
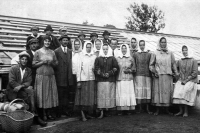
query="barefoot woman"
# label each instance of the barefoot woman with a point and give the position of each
(106, 68)
(186, 88)
(162, 65)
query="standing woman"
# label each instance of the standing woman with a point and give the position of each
(76, 55)
(125, 94)
(45, 84)
(186, 88)
(162, 65)
(86, 87)
(97, 46)
(143, 77)
(133, 46)
(106, 69)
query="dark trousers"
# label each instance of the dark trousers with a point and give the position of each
(66, 96)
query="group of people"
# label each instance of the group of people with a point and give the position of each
(101, 76)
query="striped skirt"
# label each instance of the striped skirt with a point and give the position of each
(143, 89)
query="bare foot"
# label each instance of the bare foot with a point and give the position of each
(156, 113)
(101, 116)
(90, 117)
(185, 115)
(179, 113)
(84, 119)
(149, 112)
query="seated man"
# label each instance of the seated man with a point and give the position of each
(19, 84)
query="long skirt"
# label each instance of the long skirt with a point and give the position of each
(143, 89)
(185, 94)
(125, 95)
(85, 98)
(106, 93)
(46, 91)
(162, 90)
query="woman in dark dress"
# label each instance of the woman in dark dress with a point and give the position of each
(106, 69)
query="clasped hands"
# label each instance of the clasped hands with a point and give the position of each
(16, 89)
(47, 62)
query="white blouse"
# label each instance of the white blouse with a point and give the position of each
(85, 71)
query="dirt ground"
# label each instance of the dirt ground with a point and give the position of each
(136, 123)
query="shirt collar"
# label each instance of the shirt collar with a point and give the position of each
(35, 36)
(63, 48)
(33, 52)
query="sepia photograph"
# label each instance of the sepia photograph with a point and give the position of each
(99, 66)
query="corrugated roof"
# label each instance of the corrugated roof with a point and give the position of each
(15, 30)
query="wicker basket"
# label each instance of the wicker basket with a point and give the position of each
(17, 121)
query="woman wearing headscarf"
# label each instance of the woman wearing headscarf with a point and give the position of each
(97, 46)
(163, 66)
(133, 46)
(186, 88)
(76, 54)
(143, 77)
(86, 87)
(45, 83)
(125, 94)
(106, 69)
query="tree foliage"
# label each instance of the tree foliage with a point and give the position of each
(145, 18)
(109, 26)
(87, 23)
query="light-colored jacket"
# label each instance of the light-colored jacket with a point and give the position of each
(85, 71)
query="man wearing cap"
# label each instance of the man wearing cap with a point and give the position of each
(33, 46)
(106, 35)
(93, 37)
(62, 32)
(64, 77)
(35, 35)
(19, 84)
(82, 36)
(54, 41)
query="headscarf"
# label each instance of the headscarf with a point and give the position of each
(84, 49)
(159, 48)
(80, 48)
(95, 50)
(190, 53)
(101, 53)
(127, 53)
(136, 48)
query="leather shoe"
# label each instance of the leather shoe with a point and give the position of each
(50, 117)
(41, 122)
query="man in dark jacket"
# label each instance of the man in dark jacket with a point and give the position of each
(54, 41)
(33, 46)
(106, 39)
(82, 36)
(35, 35)
(93, 37)
(64, 77)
